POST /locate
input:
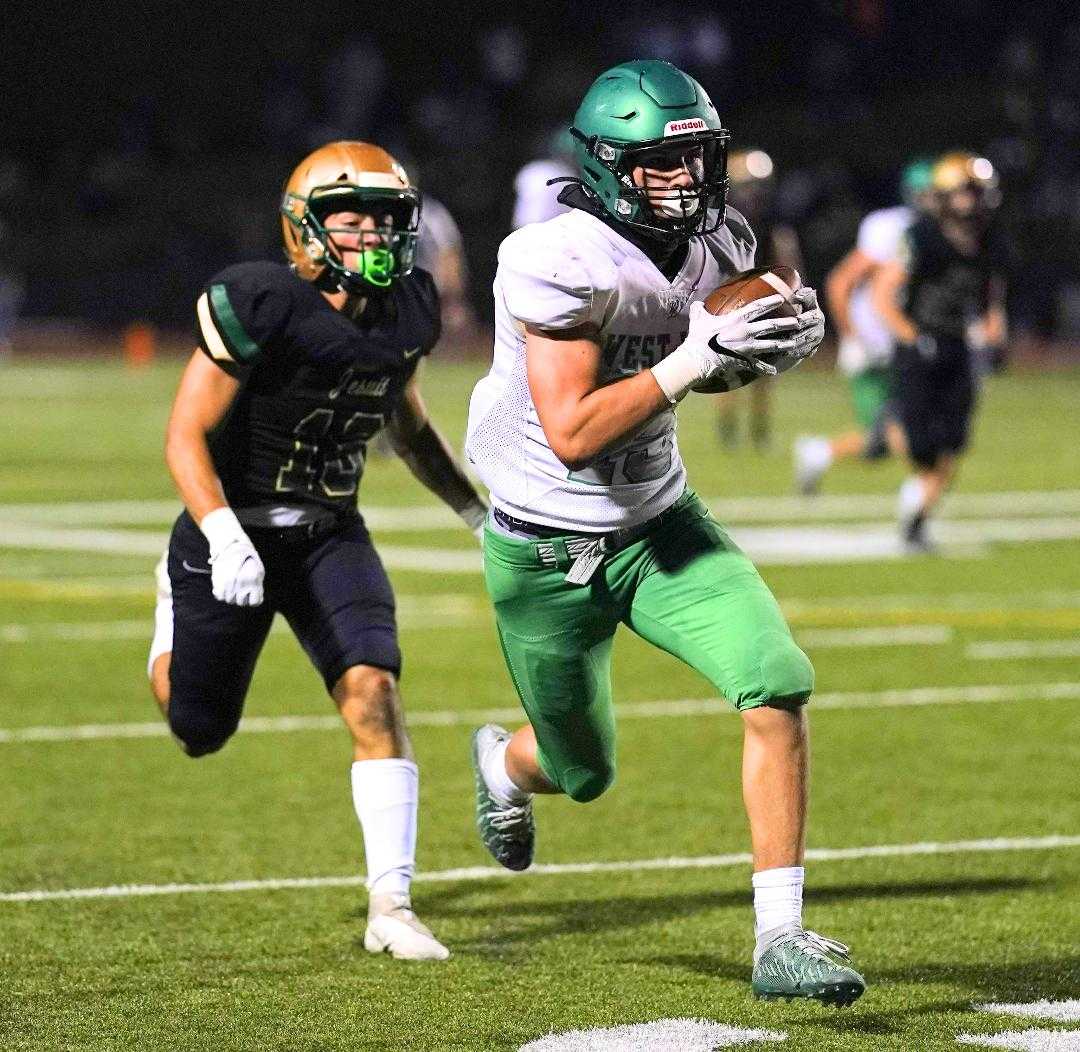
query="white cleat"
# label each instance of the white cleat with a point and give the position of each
(393, 928)
(812, 455)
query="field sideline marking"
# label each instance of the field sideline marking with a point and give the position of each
(791, 545)
(436, 611)
(455, 615)
(843, 854)
(1055, 1011)
(1004, 649)
(848, 699)
(875, 636)
(429, 517)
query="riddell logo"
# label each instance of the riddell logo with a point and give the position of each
(679, 127)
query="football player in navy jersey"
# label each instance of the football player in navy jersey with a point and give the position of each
(298, 366)
(943, 298)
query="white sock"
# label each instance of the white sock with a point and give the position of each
(162, 642)
(816, 452)
(498, 781)
(909, 501)
(777, 897)
(385, 796)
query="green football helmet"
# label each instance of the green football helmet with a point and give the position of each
(915, 180)
(649, 114)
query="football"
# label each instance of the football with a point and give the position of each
(752, 285)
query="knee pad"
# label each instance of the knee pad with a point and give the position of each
(787, 674)
(583, 784)
(199, 733)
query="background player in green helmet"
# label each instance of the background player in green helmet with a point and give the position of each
(865, 342)
(600, 332)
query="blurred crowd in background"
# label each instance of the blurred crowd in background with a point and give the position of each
(148, 149)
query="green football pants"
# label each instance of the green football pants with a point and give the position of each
(684, 587)
(870, 390)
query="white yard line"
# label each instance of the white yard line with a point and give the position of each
(779, 545)
(15, 534)
(1054, 1011)
(452, 612)
(413, 611)
(671, 1035)
(874, 636)
(1025, 1040)
(869, 505)
(829, 507)
(1046, 599)
(135, 542)
(845, 854)
(1004, 649)
(882, 699)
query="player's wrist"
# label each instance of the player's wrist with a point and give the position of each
(474, 515)
(221, 528)
(687, 365)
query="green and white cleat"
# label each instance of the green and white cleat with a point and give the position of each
(507, 830)
(790, 962)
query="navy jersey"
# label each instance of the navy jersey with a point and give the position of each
(315, 385)
(946, 289)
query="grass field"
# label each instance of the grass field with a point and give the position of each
(947, 715)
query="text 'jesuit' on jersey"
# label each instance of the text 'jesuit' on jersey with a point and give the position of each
(315, 385)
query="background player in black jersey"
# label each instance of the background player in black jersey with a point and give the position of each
(297, 368)
(943, 299)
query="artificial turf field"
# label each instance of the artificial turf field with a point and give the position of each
(948, 686)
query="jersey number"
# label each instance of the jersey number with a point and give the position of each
(644, 463)
(328, 453)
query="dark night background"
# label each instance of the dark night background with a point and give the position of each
(143, 146)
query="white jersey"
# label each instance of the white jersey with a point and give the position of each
(574, 270)
(880, 234)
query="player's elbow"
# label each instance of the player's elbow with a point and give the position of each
(572, 452)
(836, 291)
(178, 445)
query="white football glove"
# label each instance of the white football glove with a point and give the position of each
(474, 515)
(236, 571)
(734, 342)
(851, 356)
(806, 338)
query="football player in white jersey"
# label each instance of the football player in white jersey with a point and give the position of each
(536, 189)
(866, 344)
(600, 332)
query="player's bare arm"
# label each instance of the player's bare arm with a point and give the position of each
(204, 396)
(855, 268)
(887, 286)
(429, 457)
(994, 321)
(580, 417)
